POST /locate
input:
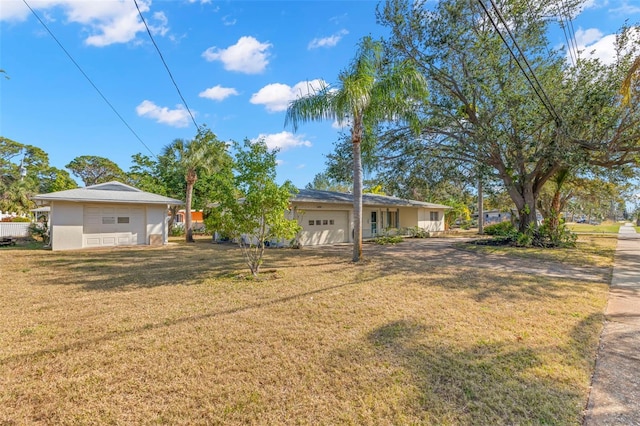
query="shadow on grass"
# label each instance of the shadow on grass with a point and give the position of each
(179, 264)
(165, 323)
(481, 382)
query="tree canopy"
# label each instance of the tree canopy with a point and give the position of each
(92, 169)
(485, 111)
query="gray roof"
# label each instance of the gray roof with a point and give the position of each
(318, 196)
(110, 192)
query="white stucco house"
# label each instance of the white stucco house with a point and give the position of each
(107, 214)
(326, 217)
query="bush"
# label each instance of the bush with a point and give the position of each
(39, 231)
(417, 232)
(388, 239)
(501, 229)
(177, 231)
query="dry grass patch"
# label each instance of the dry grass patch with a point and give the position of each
(590, 250)
(170, 335)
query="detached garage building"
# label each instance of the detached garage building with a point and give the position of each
(326, 217)
(107, 214)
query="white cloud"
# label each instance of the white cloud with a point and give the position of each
(327, 41)
(248, 55)
(588, 36)
(218, 93)
(228, 22)
(106, 22)
(283, 140)
(13, 10)
(178, 117)
(279, 162)
(276, 96)
(301, 166)
(592, 43)
(625, 9)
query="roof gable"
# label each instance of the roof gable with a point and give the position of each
(109, 192)
(113, 186)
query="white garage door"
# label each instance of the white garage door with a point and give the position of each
(324, 227)
(113, 226)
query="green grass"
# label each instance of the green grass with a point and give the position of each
(604, 228)
(414, 335)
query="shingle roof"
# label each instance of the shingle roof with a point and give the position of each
(318, 196)
(110, 192)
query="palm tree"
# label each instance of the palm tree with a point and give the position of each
(371, 91)
(205, 153)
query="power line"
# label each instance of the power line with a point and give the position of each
(572, 31)
(166, 66)
(88, 79)
(539, 89)
(563, 26)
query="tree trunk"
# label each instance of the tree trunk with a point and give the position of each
(527, 212)
(480, 208)
(356, 137)
(525, 199)
(191, 180)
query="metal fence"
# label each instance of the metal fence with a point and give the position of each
(14, 229)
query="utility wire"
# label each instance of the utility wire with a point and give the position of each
(165, 65)
(537, 89)
(572, 31)
(89, 79)
(566, 36)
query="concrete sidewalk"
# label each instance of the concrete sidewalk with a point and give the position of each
(615, 391)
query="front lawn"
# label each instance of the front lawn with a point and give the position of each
(172, 335)
(603, 228)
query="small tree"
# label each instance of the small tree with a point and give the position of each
(253, 207)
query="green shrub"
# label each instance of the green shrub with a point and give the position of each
(388, 239)
(417, 232)
(501, 229)
(177, 231)
(39, 231)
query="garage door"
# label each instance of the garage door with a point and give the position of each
(113, 226)
(324, 227)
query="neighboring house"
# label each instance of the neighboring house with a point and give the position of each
(197, 219)
(196, 216)
(327, 217)
(107, 214)
(496, 216)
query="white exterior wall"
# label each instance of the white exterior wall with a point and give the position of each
(425, 222)
(66, 225)
(408, 217)
(156, 222)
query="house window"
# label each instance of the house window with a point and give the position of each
(325, 222)
(311, 222)
(108, 220)
(123, 219)
(434, 216)
(318, 222)
(392, 219)
(330, 221)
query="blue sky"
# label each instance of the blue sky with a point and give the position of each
(237, 64)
